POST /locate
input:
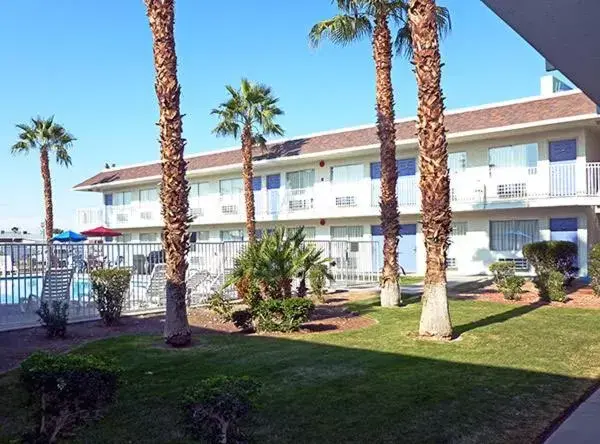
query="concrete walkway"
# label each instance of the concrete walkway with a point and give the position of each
(582, 426)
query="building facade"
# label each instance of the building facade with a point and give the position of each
(521, 171)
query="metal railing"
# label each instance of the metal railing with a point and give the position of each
(23, 271)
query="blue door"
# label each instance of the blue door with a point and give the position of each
(273, 185)
(564, 229)
(407, 247)
(406, 187)
(562, 154)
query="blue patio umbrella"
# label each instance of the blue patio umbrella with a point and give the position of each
(69, 236)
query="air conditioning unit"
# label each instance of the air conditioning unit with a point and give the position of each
(146, 215)
(229, 209)
(299, 204)
(451, 263)
(197, 212)
(520, 264)
(345, 201)
(122, 217)
(512, 190)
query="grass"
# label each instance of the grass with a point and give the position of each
(410, 279)
(514, 370)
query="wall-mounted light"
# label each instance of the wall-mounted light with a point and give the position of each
(321, 163)
(322, 222)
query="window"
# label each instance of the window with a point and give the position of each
(123, 198)
(347, 233)
(300, 179)
(228, 187)
(309, 232)
(149, 237)
(347, 173)
(149, 195)
(457, 162)
(199, 189)
(232, 235)
(525, 156)
(459, 229)
(199, 236)
(125, 238)
(511, 235)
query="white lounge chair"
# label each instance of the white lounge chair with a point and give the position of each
(156, 291)
(201, 284)
(57, 285)
(6, 265)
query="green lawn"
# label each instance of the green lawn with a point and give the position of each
(410, 279)
(513, 372)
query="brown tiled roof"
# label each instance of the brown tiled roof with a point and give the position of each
(517, 113)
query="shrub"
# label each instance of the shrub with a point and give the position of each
(220, 306)
(109, 287)
(550, 256)
(215, 407)
(66, 391)
(594, 268)
(317, 277)
(556, 287)
(282, 315)
(242, 319)
(510, 286)
(54, 317)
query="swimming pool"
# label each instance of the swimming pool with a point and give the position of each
(14, 289)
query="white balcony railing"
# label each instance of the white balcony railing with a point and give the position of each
(471, 189)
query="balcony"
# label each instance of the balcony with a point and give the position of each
(473, 189)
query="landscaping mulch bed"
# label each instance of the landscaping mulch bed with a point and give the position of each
(16, 345)
(579, 295)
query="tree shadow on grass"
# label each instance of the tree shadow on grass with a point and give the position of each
(497, 318)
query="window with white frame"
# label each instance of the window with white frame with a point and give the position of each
(512, 235)
(125, 238)
(300, 179)
(230, 187)
(309, 232)
(523, 156)
(459, 229)
(347, 233)
(200, 236)
(232, 235)
(149, 237)
(121, 198)
(200, 189)
(457, 162)
(148, 195)
(347, 173)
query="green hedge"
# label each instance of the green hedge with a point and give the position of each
(282, 315)
(510, 286)
(66, 391)
(109, 288)
(594, 268)
(552, 260)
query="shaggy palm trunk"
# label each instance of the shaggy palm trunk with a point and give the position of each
(248, 177)
(382, 54)
(436, 216)
(45, 167)
(174, 186)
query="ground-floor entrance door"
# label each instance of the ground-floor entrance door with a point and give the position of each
(407, 247)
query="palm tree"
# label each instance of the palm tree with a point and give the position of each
(436, 216)
(174, 186)
(251, 112)
(358, 19)
(45, 136)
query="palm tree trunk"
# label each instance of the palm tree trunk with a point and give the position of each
(248, 177)
(174, 186)
(382, 54)
(436, 216)
(45, 167)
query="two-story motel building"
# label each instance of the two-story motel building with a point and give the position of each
(521, 170)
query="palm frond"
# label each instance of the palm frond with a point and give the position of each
(403, 41)
(341, 29)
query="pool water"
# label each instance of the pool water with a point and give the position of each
(13, 289)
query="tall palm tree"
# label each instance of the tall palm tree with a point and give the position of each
(174, 186)
(251, 112)
(433, 162)
(358, 19)
(45, 136)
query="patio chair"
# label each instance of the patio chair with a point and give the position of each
(57, 285)
(6, 265)
(156, 291)
(200, 285)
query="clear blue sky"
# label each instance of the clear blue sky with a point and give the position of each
(89, 63)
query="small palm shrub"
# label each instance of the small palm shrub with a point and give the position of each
(318, 277)
(221, 306)
(594, 268)
(54, 317)
(215, 407)
(109, 288)
(282, 315)
(510, 285)
(66, 391)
